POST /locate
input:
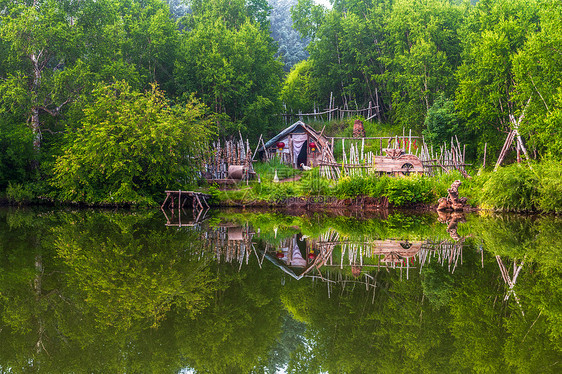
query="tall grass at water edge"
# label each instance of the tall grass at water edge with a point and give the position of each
(516, 188)
(520, 188)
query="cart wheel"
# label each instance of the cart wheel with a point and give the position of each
(406, 245)
(407, 168)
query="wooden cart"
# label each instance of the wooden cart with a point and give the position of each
(396, 162)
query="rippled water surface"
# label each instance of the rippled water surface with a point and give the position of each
(84, 291)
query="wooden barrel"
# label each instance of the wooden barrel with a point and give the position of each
(235, 233)
(236, 171)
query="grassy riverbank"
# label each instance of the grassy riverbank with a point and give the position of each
(516, 188)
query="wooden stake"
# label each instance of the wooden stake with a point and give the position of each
(484, 164)
(410, 142)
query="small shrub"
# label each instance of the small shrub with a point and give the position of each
(18, 193)
(313, 184)
(349, 187)
(410, 190)
(214, 191)
(280, 191)
(378, 186)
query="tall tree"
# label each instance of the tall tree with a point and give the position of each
(537, 68)
(424, 52)
(297, 88)
(228, 61)
(45, 72)
(493, 34)
(346, 50)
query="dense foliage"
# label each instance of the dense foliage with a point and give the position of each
(479, 63)
(130, 146)
(233, 70)
(439, 67)
(53, 54)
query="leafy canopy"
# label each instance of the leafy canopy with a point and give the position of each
(131, 144)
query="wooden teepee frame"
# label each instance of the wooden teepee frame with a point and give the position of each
(514, 135)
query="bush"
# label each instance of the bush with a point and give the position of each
(349, 187)
(19, 194)
(441, 121)
(550, 186)
(410, 190)
(279, 191)
(131, 146)
(400, 191)
(313, 184)
(511, 188)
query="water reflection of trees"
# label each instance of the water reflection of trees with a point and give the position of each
(110, 292)
(453, 313)
(65, 277)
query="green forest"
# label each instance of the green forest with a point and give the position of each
(111, 100)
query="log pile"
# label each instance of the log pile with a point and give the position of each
(452, 202)
(228, 161)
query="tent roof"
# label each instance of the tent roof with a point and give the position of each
(289, 130)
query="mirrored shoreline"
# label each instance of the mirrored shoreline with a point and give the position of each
(115, 291)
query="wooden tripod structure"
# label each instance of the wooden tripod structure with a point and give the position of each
(514, 135)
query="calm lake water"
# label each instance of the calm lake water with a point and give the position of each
(84, 291)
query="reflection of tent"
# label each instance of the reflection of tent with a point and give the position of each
(289, 257)
(296, 139)
(292, 255)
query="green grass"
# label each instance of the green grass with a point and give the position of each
(515, 188)
(266, 170)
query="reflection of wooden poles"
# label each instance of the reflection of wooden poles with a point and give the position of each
(199, 215)
(509, 281)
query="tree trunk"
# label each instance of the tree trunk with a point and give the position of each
(35, 124)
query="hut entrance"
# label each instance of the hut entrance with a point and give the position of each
(301, 158)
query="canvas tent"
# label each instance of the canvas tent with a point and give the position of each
(296, 139)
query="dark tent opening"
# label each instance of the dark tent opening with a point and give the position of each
(301, 159)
